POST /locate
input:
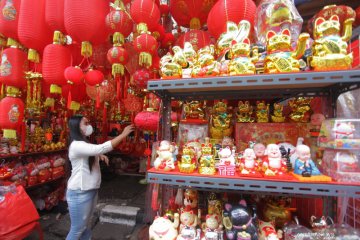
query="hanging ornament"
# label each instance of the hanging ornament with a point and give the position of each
(118, 20)
(146, 45)
(94, 77)
(133, 104)
(168, 41)
(141, 77)
(145, 12)
(9, 18)
(74, 75)
(77, 93)
(147, 120)
(105, 91)
(54, 15)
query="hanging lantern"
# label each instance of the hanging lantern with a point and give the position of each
(229, 10)
(133, 103)
(74, 75)
(164, 10)
(9, 18)
(197, 38)
(119, 21)
(77, 93)
(54, 15)
(56, 59)
(147, 120)
(118, 57)
(159, 32)
(94, 77)
(12, 68)
(145, 12)
(168, 40)
(141, 77)
(191, 14)
(12, 114)
(105, 91)
(146, 46)
(32, 29)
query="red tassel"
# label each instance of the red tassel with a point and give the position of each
(126, 85)
(23, 136)
(97, 98)
(154, 197)
(118, 88)
(69, 100)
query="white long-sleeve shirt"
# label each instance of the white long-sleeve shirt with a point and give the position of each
(81, 178)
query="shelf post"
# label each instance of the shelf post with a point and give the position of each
(166, 119)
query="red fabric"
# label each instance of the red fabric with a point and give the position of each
(54, 15)
(13, 64)
(12, 113)
(9, 18)
(145, 11)
(74, 74)
(56, 58)
(32, 29)
(230, 10)
(94, 77)
(16, 211)
(119, 21)
(117, 54)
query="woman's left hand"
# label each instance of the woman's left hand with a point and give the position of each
(105, 159)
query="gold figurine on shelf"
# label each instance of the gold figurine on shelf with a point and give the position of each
(168, 68)
(280, 58)
(207, 162)
(194, 112)
(300, 109)
(244, 112)
(206, 64)
(330, 50)
(188, 160)
(262, 111)
(220, 122)
(278, 113)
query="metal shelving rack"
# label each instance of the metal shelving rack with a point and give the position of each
(276, 88)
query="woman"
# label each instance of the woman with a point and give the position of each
(85, 178)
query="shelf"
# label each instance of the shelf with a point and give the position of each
(44, 183)
(254, 185)
(30, 154)
(262, 86)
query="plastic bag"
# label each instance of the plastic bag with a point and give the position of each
(16, 210)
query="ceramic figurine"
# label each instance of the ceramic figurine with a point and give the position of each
(316, 120)
(239, 219)
(212, 227)
(207, 162)
(188, 160)
(304, 166)
(330, 50)
(191, 58)
(262, 111)
(162, 228)
(191, 199)
(320, 223)
(194, 112)
(226, 156)
(165, 159)
(300, 109)
(224, 41)
(168, 68)
(244, 112)
(189, 219)
(206, 64)
(273, 165)
(267, 231)
(278, 113)
(280, 58)
(343, 130)
(259, 150)
(189, 233)
(214, 205)
(179, 57)
(220, 122)
(248, 164)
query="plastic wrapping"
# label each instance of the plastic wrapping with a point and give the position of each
(277, 15)
(339, 232)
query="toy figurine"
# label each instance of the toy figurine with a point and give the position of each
(259, 150)
(162, 228)
(278, 113)
(267, 231)
(179, 57)
(279, 57)
(300, 109)
(329, 48)
(189, 219)
(212, 227)
(191, 198)
(244, 112)
(165, 159)
(304, 166)
(168, 68)
(207, 162)
(273, 165)
(248, 164)
(262, 111)
(191, 58)
(194, 112)
(220, 122)
(188, 160)
(227, 161)
(316, 120)
(206, 64)
(343, 130)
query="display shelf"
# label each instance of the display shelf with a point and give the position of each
(254, 185)
(30, 154)
(44, 183)
(262, 86)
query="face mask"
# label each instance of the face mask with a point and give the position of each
(88, 130)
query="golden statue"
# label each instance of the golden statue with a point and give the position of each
(194, 112)
(329, 48)
(168, 68)
(278, 113)
(244, 112)
(190, 54)
(207, 162)
(300, 109)
(279, 56)
(179, 57)
(206, 64)
(220, 122)
(188, 160)
(262, 111)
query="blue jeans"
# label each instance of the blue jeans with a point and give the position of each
(81, 208)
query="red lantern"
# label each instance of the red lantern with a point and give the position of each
(119, 21)
(94, 77)
(32, 29)
(229, 10)
(54, 15)
(197, 38)
(9, 18)
(141, 77)
(75, 94)
(164, 10)
(147, 121)
(168, 40)
(104, 92)
(159, 32)
(74, 75)
(13, 64)
(133, 103)
(11, 117)
(117, 54)
(189, 13)
(146, 45)
(145, 11)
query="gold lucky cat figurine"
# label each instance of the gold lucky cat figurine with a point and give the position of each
(207, 162)
(168, 68)
(240, 62)
(280, 58)
(300, 109)
(206, 64)
(179, 57)
(244, 112)
(188, 160)
(194, 112)
(220, 122)
(278, 113)
(329, 48)
(262, 111)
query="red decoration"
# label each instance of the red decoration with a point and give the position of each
(168, 40)
(74, 75)
(189, 13)
(13, 64)
(119, 21)
(357, 19)
(12, 114)
(56, 58)
(32, 29)
(229, 10)
(9, 18)
(133, 103)
(74, 93)
(159, 32)
(197, 38)
(54, 15)
(164, 10)
(147, 121)
(146, 45)
(94, 77)
(117, 55)
(145, 11)
(85, 18)
(105, 92)
(141, 77)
